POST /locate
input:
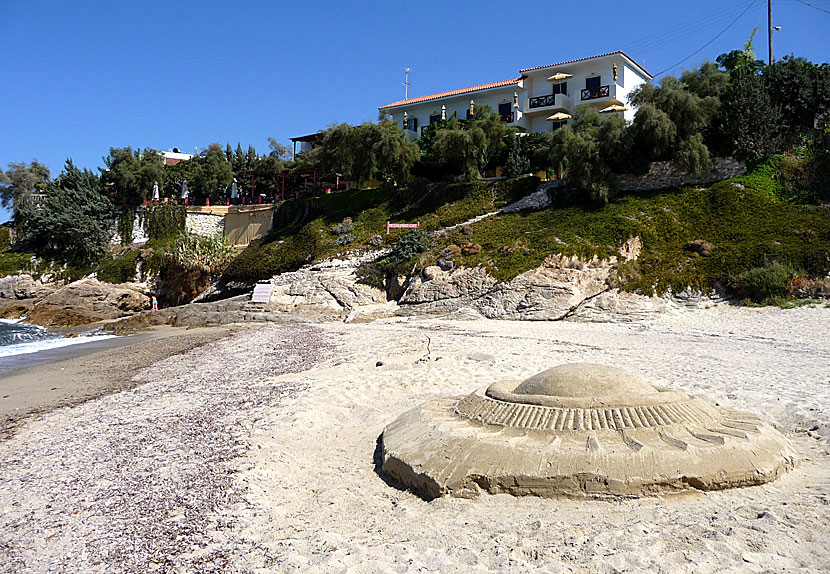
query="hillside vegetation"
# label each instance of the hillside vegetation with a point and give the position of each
(743, 225)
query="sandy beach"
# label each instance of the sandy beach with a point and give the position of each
(90, 370)
(257, 453)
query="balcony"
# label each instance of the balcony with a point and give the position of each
(595, 93)
(547, 103)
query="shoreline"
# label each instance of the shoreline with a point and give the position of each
(70, 375)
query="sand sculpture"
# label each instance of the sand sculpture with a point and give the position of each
(580, 430)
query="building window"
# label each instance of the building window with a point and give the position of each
(506, 112)
(560, 88)
(411, 124)
(434, 119)
(592, 83)
(558, 124)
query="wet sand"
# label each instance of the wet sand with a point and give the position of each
(71, 375)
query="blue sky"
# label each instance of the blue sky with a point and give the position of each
(81, 77)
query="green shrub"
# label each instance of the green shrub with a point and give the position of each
(126, 218)
(409, 245)
(197, 253)
(761, 284)
(806, 177)
(164, 221)
(344, 227)
(763, 178)
(5, 237)
(12, 263)
(400, 260)
(119, 269)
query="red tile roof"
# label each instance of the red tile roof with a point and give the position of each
(633, 61)
(430, 97)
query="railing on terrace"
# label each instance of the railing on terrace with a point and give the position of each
(508, 118)
(594, 93)
(542, 101)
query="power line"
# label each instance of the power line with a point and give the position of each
(687, 27)
(750, 5)
(814, 7)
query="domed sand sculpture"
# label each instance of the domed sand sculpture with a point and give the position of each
(580, 430)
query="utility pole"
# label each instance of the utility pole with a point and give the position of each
(406, 85)
(769, 28)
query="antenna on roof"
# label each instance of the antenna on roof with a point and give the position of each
(406, 85)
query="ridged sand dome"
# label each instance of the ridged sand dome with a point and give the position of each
(580, 430)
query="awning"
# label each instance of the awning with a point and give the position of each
(559, 76)
(559, 116)
(614, 108)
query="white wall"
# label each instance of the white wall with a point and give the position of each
(458, 105)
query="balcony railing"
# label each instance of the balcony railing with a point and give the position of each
(543, 101)
(594, 93)
(508, 118)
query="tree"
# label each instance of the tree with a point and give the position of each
(517, 162)
(751, 122)
(130, 174)
(575, 149)
(653, 134)
(380, 151)
(742, 59)
(73, 222)
(693, 155)
(690, 113)
(238, 163)
(461, 152)
(707, 81)
(213, 173)
(801, 90)
(277, 150)
(21, 180)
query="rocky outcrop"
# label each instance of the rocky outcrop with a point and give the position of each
(562, 287)
(332, 291)
(224, 312)
(87, 301)
(23, 286)
(19, 293)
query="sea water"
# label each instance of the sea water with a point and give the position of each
(23, 345)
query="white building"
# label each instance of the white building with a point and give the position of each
(541, 99)
(174, 156)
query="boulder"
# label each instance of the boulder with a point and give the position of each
(87, 301)
(699, 247)
(324, 290)
(447, 292)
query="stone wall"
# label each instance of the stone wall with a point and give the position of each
(665, 175)
(205, 224)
